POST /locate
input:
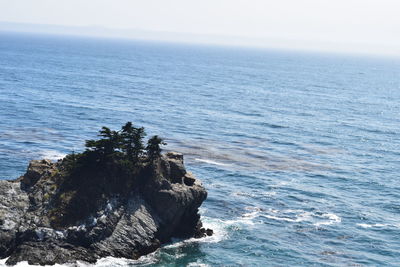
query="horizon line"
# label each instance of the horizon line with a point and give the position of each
(178, 38)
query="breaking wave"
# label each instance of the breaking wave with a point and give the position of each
(294, 216)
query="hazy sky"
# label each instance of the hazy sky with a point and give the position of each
(341, 25)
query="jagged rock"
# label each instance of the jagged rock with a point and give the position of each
(189, 179)
(177, 167)
(36, 169)
(37, 227)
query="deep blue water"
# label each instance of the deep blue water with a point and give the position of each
(300, 152)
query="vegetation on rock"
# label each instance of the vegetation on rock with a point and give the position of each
(115, 163)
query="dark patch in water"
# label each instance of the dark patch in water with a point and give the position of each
(273, 126)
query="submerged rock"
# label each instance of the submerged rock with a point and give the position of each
(46, 219)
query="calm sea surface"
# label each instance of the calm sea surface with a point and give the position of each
(300, 152)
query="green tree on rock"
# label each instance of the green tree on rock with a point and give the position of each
(132, 141)
(153, 147)
(106, 146)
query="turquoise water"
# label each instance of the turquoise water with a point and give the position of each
(299, 152)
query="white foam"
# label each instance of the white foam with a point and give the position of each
(25, 264)
(197, 264)
(245, 219)
(378, 225)
(332, 218)
(111, 261)
(218, 226)
(364, 225)
(298, 215)
(250, 215)
(51, 154)
(212, 162)
(283, 218)
(104, 262)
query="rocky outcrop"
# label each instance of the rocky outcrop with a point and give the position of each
(163, 205)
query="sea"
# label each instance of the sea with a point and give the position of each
(299, 151)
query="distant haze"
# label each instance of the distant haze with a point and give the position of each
(356, 26)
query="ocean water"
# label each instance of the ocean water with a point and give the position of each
(300, 152)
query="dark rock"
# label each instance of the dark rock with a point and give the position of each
(189, 179)
(35, 170)
(129, 224)
(209, 232)
(177, 168)
(200, 233)
(203, 232)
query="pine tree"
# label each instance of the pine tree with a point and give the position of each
(108, 145)
(153, 147)
(132, 143)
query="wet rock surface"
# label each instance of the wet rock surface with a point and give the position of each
(129, 225)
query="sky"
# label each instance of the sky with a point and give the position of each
(360, 26)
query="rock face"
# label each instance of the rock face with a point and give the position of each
(128, 225)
